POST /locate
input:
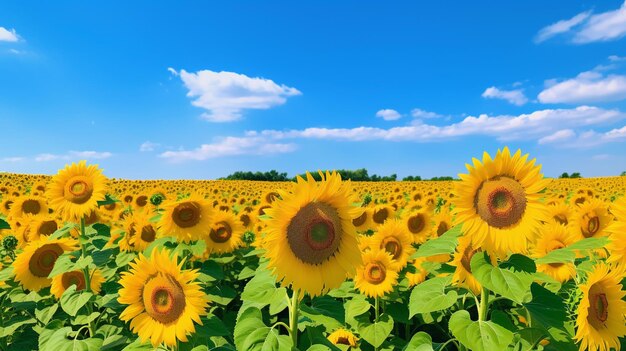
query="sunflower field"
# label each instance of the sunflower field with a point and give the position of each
(502, 259)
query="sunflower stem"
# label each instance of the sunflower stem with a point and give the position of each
(376, 309)
(293, 318)
(484, 305)
(83, 247)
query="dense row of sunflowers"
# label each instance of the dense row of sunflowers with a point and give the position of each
(503, 259)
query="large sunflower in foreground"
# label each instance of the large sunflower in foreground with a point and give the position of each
(35, 263)
(188, 219)
(498, 202)
(311, 242)
(378, 274)
(554, 236)
(164, 300)
(74, 191)
(600, 321)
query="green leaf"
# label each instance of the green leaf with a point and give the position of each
(445, 244)
(58, 341)
(546, 307)
(4, 224)
(250, 331)
(72, 300)
(212, 326)
(45, 314)
(421, 341)
(568, 254)
(480, 335)
(375, 333)
(64, 264)
(108, 200)
(124, 258)
(159, 243)
(260, 289)
(510, 284)
(520, 263)
(275, 341)
(196, 248)
(15, 323)
(430, 296)
(356, 307)
(324, 310)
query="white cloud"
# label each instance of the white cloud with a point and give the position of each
(515, 97)
(532, 126)
(8, 35)
(422, 114)
(587, 87)
(148, 146)
(560, 27)
(601, 157)
(388, 114)
(230, 146)
(586, 28)
(74, 155)
(591, 138)
(225, 95)
(616, 58)
(558, 136)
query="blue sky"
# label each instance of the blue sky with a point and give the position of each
(198, 90)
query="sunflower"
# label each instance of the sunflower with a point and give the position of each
(591, 219)
(188, 219)
(61, 282)
(462, 258)
(74, 191)
(164, 300)
(226, 232)
(420, 273)
(553, 236)
(311, 242)
(144, 231)
(442, 223)
(560, 213)
(363, 221)
(601, 311)
(380, 213)
(394, 238)
(35, 263)
(378, 274)
(28, 205)
(418, 223)
(6, 204)
(498, 202)
(617, 234)
(343, 337)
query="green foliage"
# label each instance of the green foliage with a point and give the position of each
(271, 176)
(411, 178)
(479, 335)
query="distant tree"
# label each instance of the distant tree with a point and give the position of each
(575, 175)
(623, 174)
(357, 175)
(442, 178)
(271, 176)
(411, 178)
(564, 175)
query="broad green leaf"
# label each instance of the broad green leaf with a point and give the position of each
(324, 311)
(421, 341)
(124, 258)
(4, 224)
(546, 307)
(376, 332)
(15, 323)
(45, 314)
(275, 341)
(64, 264)
(479, 335)
(356, 307)
(510, 284)
(520, 263)
(430, 296)
(568, 254)
(59, 341)
(445, 244)
(72, 300)
(250, 331)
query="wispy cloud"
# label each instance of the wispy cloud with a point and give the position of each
(388, 114)
(8, 35)
(73, 155)
(587, 28)
(148, 146)
(558, 136)
(591, 138)
(225, 95)
(423, 114)
(515, 97)
(230, 146)
(12, 159)
(587, 87)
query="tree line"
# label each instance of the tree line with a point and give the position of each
(357, 175)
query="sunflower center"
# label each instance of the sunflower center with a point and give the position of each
(381, 215)
(599, 308)
(78, 190)
(360, 220)
(590, 225)
(48, 227)
(468, 253)
(142, 200)
(43, 259)
(245, 219)
(500, 202)
(73, 278)
(164, 298)
(416, 223)
(392, 246)
(442, 228)
(148, 234)
(7, 204)
(221, 233)
(343, 340)
(31, 206)
(314, 233)
(375, 273)
(186, 214)
(560, 218)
